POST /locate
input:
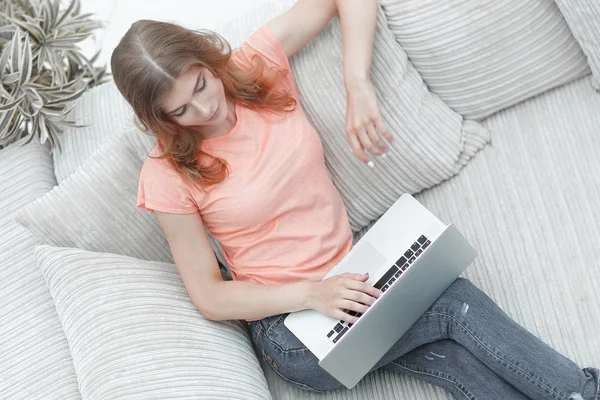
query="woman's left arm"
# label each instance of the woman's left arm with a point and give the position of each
(363, 117)
(303, 21)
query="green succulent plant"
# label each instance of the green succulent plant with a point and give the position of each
(42, 69)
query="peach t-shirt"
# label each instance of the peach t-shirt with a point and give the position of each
(278, 216)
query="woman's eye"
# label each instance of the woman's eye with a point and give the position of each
(181, 112)
(202, 87)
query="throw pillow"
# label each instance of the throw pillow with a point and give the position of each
(104, 113)
(583, 17)
(481, 56)
(133, 331)
(95, 209)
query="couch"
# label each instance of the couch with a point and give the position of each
(499, 106)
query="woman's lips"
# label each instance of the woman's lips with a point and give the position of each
(215, 114)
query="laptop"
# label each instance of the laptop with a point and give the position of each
(412, 257)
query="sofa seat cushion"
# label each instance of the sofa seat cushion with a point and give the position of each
(35, 362)
(134, 333)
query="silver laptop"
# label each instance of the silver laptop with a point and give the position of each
(412, 257)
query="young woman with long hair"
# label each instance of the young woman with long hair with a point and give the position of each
(236, 155)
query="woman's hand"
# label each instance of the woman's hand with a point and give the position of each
(364, 121)
(342, 292)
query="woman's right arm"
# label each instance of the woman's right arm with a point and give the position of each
(217, 299)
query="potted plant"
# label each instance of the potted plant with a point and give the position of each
(42, 69)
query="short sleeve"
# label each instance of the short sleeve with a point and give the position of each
(162, 189)
(264, 43)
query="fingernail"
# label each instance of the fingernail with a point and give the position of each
(384, 156)
(370, 164)
(365, 274)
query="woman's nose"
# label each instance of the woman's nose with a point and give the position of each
(203, 108)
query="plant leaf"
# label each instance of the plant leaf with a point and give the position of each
(43, 129)
(5, 119)
(35, 99)
(30, 27)
(70, 98)
(10, 106)
(10, 78)
(4, 57)
(42, 55)
(55, 7)
(7, 29)
(16, 51)
(12, 132)
(26, 110)
(26, 64)
(81, 22)
(67, 12)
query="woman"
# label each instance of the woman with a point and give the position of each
(236, 155)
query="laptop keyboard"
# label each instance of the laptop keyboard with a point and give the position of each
(384, 283)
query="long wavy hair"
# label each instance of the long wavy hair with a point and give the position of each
(153, 54)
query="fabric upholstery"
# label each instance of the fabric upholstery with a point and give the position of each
(103, 113)
(481, 56)
(163, 347)
(95, 207)
(583, 17)
(528, 204)
(35, 362)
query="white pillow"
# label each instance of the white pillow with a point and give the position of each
(104, 113)
(134, 333)
(583, 17)
(95, 208)
(481, 56)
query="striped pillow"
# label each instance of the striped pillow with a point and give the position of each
(95, 208)
(103, 113)
(583, 17)
(133, 331)
(481, 56)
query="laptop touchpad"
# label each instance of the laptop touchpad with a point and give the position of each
(364, 259)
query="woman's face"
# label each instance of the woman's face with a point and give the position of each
(197, 99)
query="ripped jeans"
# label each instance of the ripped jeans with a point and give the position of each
(463, 343)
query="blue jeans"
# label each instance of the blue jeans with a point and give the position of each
(463, 343)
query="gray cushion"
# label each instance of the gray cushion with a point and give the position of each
(583, 17)
(432, 142)
(104, 114)
(481, 56)
(35, 362)
(95, 207)
(162, 347)
(529, 205)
